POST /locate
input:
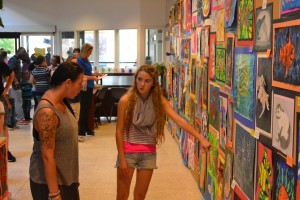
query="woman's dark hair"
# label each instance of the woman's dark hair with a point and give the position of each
(3, 55)
(39, 60)
(76, 49)
(57, 59)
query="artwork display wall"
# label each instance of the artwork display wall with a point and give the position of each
(234, 75)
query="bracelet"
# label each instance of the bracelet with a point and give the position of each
(54, 196)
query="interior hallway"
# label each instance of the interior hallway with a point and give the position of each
(97, 155)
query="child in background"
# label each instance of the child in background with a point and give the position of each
(26, 88)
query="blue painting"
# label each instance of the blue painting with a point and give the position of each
(244, 86)
(230, 7)
(211, 188)
(214, 107)
(244, 159)
(288, 6)
(286, 64)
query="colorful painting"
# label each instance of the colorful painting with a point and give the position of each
(221, 65)
(206, 39)
(245, 20)
(298, 133)
(194, 34)
(286, 59)
(187, 49)
(191, 146)
(244, 158)
(202, 171)
(227, 175)
(205, 85)
(199, 91)
(193, 74)
(212, 161)
(282, 124)
(244, 86)
(212, 56)
(223, 120)
(202, 42)
(217, 4)
(204, 123)
(229, 58)
(200, 16)
(194, 5)
(284, 180)
(264, 172)
(220, 25)
(263, 95)
(184, 147)
(206, 8)
(289, 6)
(229, 124)
(213, 21)
(188, 15)
(263, 28)
(211, 188)
(214, 107)
(230, 6)
(220, 177)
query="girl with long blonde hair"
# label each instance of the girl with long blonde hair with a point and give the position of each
(140, 127)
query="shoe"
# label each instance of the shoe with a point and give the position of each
(10, 157)
(92, 133)
(22, 122)
(81, 138)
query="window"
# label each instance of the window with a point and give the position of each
(88, 37)
(154, 46)
(8, 44)
(68, 44)
(107, 48)
(127, 48)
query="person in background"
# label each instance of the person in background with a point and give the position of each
(6, 72)
(140, 127)
(48, 56)
(86, 96)
(76, 52)
(26, 88)
(55, 61)
(54, 166)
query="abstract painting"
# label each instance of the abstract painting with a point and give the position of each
(263, 28)
(220, 177)
(223, 120)
(213, 21)
(245, 159)
(206, 41)
(212, 56)
(229, 124)
(220, 65)
(244, 86)
(200, 17)
(286, 58)
(193, 74)
(230, 6)
(199, 91)
(264, 172)
(184, 147)
(188, 15)
(205, 85)
(212, 161)
(282, 124)
(204, 123)
(206, 8)
(288, 6)
(245, 20)
(298, 134)
(191, 154)
(220, 25)
(263, 95)
(214, 107)
(284, 180)
(227, 175)
(202, 49)
(217, 4)
(202, 171)
(211, 188)
(229, 58)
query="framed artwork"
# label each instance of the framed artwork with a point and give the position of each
(187, 49)
(223, 120)
(245, 22)
(184, 147)
(191, 146)
(204, 123)
(220, 65)
(194, 34)
(229, 59)
(206, 8)
(200, 17)
(282, 124)
(217, 4)
(286, 55)
(220, 25)
(211, 188)
(205, 85)
(288, 6)
(264, 172)
(212, 56)
(230, 6)
(220, 177)
(198, 30)
(202, 171)
(245, 147)
(284, 180)
(188, 15)
(244, 86)
(227, 174)
(213, 21)
(199, 75)
(298, 162)
(214, 107)
(206, 41)
(263, 28)
(263, 95)
(202, 43)
(212, 161)
(238, 194)
(193, 66)
(229, 124)
(194, 5)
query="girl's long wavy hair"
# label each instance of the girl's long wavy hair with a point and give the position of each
(157, 102)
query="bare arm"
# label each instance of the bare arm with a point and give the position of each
(94, 78)
(183, 124)
(9, 81)
(32, 80)
(46, 124)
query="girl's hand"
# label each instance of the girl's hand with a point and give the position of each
(205, 144)
(123, 166)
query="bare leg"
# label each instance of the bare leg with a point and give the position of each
(123, 184)
(1, 124)
(143, 178)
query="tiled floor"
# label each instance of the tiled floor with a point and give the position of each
(171, 181)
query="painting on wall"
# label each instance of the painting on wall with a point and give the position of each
(191, 146)
(184, 147)
(202, 171)
(284, 180)
(263, 28)
(298, 133)
(200, 17)
(205, 86)
(286, 58)
(264, 172)
(282, 124)
(221, 65)
(206, 41)
(211, 188)
(245, 21)
(212, 160)
(212, 56)
(244, 86)
(245, 146)
(288, 6)
(220, 25)
(202, 42)
(198, 91)
(227, 175)
(217, 4)
(229, 124)
(220, 177)
(206, 8)
(188, 15)
(263, 95)
(213, 21)
(223, 120)
(229, 58)
(230, 7)
(193, 74)
(214, 107)
(204, 123)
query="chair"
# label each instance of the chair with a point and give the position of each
(116, 94)
(100, 108)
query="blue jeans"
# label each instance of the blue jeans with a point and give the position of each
(26, 108)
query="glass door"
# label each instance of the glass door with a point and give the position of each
(10, 42)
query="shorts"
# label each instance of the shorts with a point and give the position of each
(140, 160)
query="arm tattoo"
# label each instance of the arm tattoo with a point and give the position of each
(47, 123)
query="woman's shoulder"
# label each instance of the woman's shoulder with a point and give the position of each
(125, 98)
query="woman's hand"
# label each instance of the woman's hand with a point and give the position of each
(205, 144)
(123, 167)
